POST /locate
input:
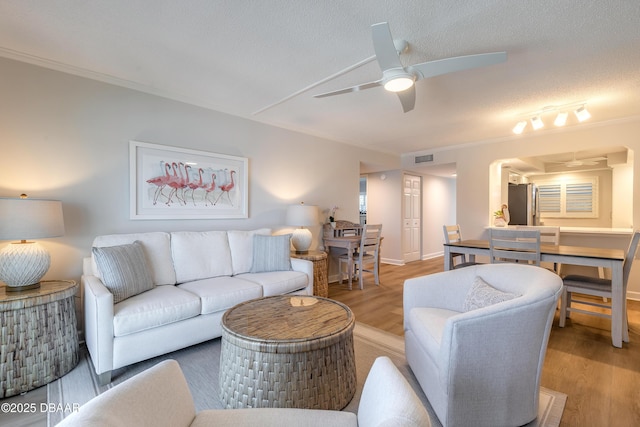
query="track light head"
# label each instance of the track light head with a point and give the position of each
(582, 114)
(537, 123)
(561, 118)
(520, 127)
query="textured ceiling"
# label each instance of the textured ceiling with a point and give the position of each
(240, 56)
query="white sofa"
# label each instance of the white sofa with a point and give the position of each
(477, 346)
(160, 396)
(196, 277)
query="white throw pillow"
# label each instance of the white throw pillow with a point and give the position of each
(124, 270)
(482, 295)
(241, 245)
(271, 253)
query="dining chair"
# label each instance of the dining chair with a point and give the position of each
(549, 235)
(513, 245)
(598, 287)
(452, 234)
(368, 253)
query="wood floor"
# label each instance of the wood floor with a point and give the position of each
(602, 382)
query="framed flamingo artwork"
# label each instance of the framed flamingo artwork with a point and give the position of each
(178, 183)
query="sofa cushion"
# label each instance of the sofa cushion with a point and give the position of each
(157, 248)
(481, 294)
(278, 282)
(271, 253)
(222, 293)
(241, 246)
(200, 255)
(124, 270)
(159, 306)
(427, 325)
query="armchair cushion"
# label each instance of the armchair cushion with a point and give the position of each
(124, 270)
(483, 294)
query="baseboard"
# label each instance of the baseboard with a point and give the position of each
(392, 261)
(432, 255)
(632, 295)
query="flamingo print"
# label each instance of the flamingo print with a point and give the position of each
(193, 185)
(226, 188)
(210, 189)
(176, 183)
(160, 181)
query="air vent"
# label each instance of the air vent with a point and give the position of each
(425, 158)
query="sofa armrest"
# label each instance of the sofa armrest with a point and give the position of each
(98, 323)
(306, 267)
(158, 396)
(388, 399)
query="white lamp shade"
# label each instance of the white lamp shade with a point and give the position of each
(302, 215)
(24, 219)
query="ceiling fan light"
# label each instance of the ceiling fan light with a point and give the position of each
(582, 114)
(398, 84)
(537, 123)
(520, 127)
(561, 119)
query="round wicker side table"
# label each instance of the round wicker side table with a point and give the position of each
(288, 352)
(38, 336)
(320, 274)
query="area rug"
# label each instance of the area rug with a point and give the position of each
(200, 364)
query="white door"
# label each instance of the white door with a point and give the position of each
(411, 218)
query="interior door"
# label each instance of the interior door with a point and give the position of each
(411, 217)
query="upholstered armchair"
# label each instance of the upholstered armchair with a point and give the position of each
(476, 338)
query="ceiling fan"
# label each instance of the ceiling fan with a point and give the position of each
(575, 162)
(400, 79)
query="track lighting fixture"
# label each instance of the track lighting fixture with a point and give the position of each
(562, 116)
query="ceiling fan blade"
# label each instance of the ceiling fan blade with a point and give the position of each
(408, 98)
(363, 86)
(457, 63)
(386, 52)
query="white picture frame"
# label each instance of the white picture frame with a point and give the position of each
(179, 183)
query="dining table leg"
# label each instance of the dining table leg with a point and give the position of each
(617, 307)
(447, 258)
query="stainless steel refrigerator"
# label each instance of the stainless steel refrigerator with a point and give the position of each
(523, 204)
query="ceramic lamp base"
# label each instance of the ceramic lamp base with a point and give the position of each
(23, 264)
(301, 240)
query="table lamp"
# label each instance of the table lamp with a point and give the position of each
(23, 263)
(302, 216)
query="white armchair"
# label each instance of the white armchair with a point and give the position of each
(480, 367)
(160, 396)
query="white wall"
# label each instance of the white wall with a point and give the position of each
(438, 209)
(384, 206)
(67, 138)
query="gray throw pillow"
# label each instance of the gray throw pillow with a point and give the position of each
(271, 253)
(124, 270)
(482, 295)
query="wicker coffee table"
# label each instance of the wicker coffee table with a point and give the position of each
(288, 352)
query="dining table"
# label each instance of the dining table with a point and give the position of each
(575, 255)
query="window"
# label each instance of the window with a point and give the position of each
(576, 198)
